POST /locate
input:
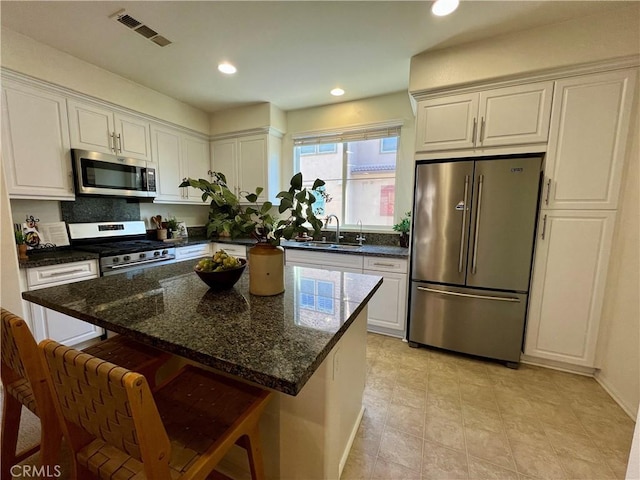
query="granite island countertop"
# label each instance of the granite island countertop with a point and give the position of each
(277, 341)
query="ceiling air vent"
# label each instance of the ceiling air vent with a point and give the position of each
(137, 26)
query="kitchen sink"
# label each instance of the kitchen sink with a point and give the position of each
(334, 246)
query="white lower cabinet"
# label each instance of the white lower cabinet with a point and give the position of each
(236, 250)
(387, 308)
(193, 251)
(567, 290)
(54, 325)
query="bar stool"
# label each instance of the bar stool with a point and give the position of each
(118, 429)
(22, 372)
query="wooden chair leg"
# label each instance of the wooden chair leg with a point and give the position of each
(50, 442)
(251, 443)
(11, 411)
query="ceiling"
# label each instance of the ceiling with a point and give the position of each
(287, 53)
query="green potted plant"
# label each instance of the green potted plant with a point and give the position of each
(172, 226)
(296, 216)
(403, 228)
(21, 243)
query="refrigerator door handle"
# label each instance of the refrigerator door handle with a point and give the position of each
(467, 295)
(474, 261)
(464, 224)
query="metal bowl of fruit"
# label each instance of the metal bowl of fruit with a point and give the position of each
(221, 271)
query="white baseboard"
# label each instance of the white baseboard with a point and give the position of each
(555, 365)
(352, 437)
(613, 392)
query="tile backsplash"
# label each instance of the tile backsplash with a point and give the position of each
(100, 209)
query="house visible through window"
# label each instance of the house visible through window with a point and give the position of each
(360, 174)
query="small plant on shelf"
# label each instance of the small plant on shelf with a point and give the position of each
(19, 236)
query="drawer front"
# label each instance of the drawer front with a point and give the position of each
(193, 251)
(385, 264)
(235, 250)
(322, 259)
(61, 274)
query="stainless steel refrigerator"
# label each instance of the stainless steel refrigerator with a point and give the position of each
(472, 248)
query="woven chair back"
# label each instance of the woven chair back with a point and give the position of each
(92, 396)
(10, 354)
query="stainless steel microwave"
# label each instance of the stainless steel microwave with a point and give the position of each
(103, 174)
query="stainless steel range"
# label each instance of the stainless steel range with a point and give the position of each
(122, 246)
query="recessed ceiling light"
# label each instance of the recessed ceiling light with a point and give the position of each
(336, 92)
(227, 68)
(444, 7)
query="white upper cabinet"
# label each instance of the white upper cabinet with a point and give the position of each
(99, 129)
(35, 143)
(567, 290)
(178, 156)
(515, 115)
(587, 147)
(249, 162)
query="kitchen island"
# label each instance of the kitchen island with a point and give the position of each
(308, 344)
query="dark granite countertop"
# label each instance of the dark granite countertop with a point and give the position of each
(60, 256)
(277, 342)
(43, 258)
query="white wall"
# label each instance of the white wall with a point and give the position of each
(25, 55)
(193, 215)
(618, 355)
(395, 106)
(9, 273)
(587, 39)
(241, 118)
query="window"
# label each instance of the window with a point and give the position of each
(316, 295)
(359, 169)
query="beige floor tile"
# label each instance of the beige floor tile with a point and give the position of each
(409, 396)
(443, 463)
(482, 417)
(442, 366)
(368, 437)
(359, 466)
(577, 468)
(573, 444)
(386, 470)
(401, 448)
(444, 404)
(609, 433)
(446, 431)
(418, 359)
(537, 461)
(471, 374)
(490, 446)
(478, 395)
(525, 430)
(412, 377)
(483, 470)
(406, 419)
(375, 408)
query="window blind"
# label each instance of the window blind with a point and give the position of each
(348, 135)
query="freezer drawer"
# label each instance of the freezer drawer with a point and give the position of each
(477, 322)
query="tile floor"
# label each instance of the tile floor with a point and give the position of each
(434, 415)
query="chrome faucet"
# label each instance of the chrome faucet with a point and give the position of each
(328, 221)
(360, 238)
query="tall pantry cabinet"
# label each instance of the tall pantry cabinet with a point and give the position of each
(584, 164)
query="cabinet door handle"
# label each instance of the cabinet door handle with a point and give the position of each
(544, 226)
(120, 143)
(546, 198)
(482, 130)
(384, 264)
(71, 182)
(65, 272)
(475, 128)
(111, 141)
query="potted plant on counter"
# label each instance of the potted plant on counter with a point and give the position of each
(403, 228)
(295, 216)
(21, 243)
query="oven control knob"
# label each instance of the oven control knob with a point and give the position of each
(164, 252)
(115, 260)
(156, 253)
(142, 255)
(126, 258)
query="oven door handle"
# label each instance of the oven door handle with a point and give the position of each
(153, 260)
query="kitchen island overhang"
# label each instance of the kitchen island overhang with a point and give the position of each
(309, 343)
